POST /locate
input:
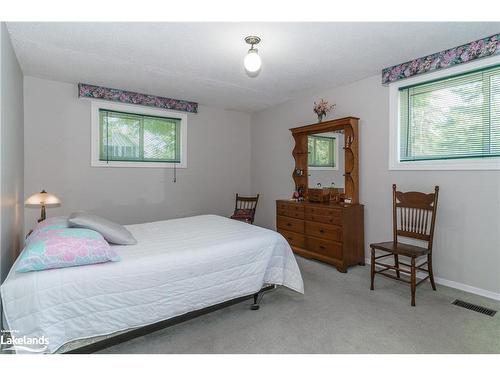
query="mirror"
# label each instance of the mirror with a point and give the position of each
(347, 188)
(326, 160)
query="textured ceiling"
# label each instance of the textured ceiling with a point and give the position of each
(204, 61)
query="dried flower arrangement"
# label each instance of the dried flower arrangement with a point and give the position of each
(322, 108)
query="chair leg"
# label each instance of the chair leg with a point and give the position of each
(413, 280)
(396, 264)
(431, 272)
(372, 268)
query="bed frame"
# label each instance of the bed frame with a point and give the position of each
(129, 335)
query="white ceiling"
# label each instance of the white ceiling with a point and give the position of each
(203, 62)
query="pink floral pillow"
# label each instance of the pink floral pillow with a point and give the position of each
(64, 247)
(56, 222)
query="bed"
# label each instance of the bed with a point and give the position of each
(177, 266)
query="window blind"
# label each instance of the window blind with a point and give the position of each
(138, 138)
(321, 151)
(451, 118)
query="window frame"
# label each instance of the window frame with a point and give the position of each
(97, 105)
(486, 163)
(335, 156)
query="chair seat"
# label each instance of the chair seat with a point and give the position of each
(245, 215)
(401, 249)
(246, 219)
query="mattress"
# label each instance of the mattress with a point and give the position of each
(177, 266)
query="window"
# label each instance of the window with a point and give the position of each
(322, 151)
(138, 138)
(131, 136)
(447, 120)
(451, 118)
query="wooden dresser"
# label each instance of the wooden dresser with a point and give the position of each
(329, 232)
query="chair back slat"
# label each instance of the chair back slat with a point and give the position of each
(414, 214)
(246, 203)
(413, 221)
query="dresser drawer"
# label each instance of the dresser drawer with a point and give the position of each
(323, 211)
(327, 248)
(326, 231)
(335, 220)
(294, 239)
(287, 223)
(298, 214)
(290, 207)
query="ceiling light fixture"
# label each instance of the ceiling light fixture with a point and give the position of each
(252, 61)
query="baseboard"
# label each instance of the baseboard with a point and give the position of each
(457, 285)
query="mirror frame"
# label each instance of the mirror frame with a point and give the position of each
(349, 125)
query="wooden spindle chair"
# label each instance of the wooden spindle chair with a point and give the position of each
(413, 216)
(244, 208)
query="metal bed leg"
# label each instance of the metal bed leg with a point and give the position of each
(257, 297)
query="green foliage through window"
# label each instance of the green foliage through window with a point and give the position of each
(138, 138)
(321, 151)
(451, 118)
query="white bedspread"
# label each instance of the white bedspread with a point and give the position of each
(177, 266)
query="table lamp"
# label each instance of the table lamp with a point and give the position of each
(42, 199)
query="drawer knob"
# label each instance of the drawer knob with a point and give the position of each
(321, 231)
(288, 224)
(322, 247)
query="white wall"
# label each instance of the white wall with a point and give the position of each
(57, 158)
(467, 242)
(11, 154)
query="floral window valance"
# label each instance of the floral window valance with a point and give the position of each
(459, 55)
(115, 95)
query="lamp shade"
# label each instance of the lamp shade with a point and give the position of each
(42, 199)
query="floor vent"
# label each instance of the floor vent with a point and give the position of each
(476, 308)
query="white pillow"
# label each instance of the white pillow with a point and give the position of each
(112, 232)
